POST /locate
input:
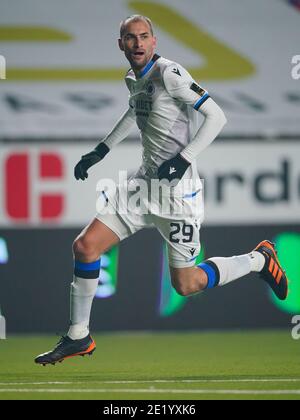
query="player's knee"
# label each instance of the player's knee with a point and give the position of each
(83, 248)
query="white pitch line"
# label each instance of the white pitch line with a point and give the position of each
(39, 383)
(160, 381)
(157, 391)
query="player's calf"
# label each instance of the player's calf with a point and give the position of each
(93, 241)
(188, 281)
(84, 250)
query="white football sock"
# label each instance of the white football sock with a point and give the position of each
(232, 268)
(82, 295)
(257, 261)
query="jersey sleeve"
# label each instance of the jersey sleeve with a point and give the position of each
(214, 121)
(121, 129)
(181, 86)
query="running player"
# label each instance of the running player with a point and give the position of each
(164, 100)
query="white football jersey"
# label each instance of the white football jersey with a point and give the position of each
(164, 100)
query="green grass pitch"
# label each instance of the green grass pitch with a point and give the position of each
(158, 366)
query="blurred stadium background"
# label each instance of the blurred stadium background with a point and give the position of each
(63, 91)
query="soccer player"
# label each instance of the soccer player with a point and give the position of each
(163, 101)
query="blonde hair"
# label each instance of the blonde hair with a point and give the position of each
(134, 18)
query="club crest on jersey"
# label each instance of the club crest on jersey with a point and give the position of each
(150, 88)
(198, 89)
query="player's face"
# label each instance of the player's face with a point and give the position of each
(138, 44)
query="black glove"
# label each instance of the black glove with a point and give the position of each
(173, 168)
(90, 159)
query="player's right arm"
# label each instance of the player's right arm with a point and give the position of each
(117, 134)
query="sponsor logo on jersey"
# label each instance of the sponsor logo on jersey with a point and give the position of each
(198, 89)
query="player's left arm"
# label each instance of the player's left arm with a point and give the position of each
(182, 87)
